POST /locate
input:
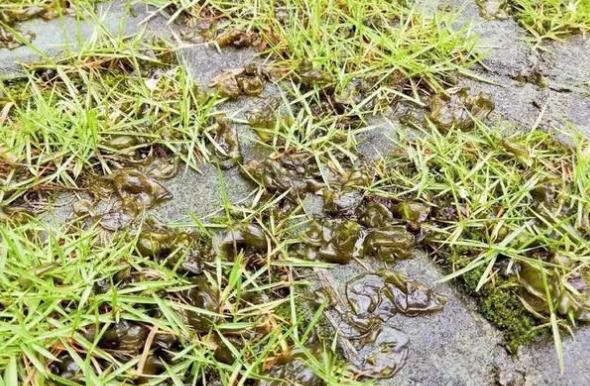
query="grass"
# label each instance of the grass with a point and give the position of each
(66, 291)
(21, 10)
(511, 213)
(88, 110)
(55, 129)
(552, 19)
(511, 206)
(16, 11)
(382, 48)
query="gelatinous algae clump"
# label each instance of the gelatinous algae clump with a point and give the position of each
(372, 345)
(335, 241)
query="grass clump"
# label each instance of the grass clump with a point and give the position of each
(78, 307)
(380, 47)
(512, 208)
(92, 110)
(552, 19)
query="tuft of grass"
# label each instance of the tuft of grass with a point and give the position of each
(66, 291)
(510, 217)
(381, 47)
(70, 116)
(552, 19)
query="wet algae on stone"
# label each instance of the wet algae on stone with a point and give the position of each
(216, 291)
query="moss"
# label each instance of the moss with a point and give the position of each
(500, 305)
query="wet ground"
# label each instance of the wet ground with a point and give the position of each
(455, 346)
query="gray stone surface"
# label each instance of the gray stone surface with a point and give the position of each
(564, 65)
(201, 193)
(540, 362)
(452, 347)
(567, 65)
(205, 61)
(525, 104)
(378, 139)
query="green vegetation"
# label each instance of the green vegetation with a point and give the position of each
(507, 205)
(20, 10)
(16, 11)
(503, 308)
(500, 303)
(552, 19)
(77, 307)
(87, 111)
(360, 49)
(506, 212)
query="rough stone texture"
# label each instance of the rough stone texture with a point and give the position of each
(540, 362)
(528, 105)
(379, 138)
(201, 193)
(205, 61)
(565, 66)
(195, 194)
(452, 347)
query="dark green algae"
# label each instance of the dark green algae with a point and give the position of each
(356, 225)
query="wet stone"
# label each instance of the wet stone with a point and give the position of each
(438, 342)
(201, 193)
(540, 365)
(205, 62)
